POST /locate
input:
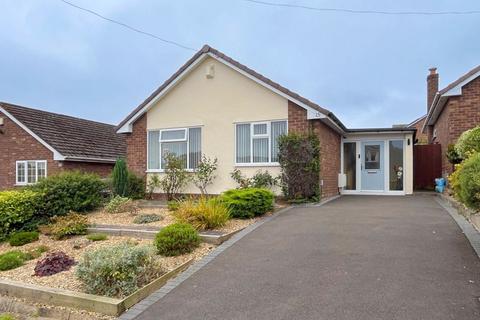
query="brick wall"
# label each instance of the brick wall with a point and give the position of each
(297, 119)
(460, 113)
(137, 147)
(102, 169)
(329, 158)
(16, 144)
(422, 138)
(329, 145)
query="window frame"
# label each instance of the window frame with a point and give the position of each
(25, 171)
(253, 136)
(160, 141)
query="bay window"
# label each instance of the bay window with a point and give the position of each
(257, 142)
(30, 171)
(184, 143)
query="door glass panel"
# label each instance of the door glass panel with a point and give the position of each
(396, 164)
(350, 164)
(372, 157)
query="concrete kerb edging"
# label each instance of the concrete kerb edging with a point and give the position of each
(468, 230)
(317, 204)
(173, 283)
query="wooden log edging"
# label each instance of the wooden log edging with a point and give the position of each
(85, 301)
(149, 233)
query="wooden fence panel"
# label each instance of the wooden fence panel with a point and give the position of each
(427, 165)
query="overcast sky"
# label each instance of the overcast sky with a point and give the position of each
(369, 70)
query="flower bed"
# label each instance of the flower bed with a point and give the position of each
(67, 279)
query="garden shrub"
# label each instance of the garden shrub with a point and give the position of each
(299, 157)
(120, 178)
(176, 177)
(6, 316)
(12, 259)
(203, 213)
(205, 173)
(173, 205)
(135, 186)
(248, 203)
(119, 204)
(261, 179)
(468, 143)
(53, 263)
(452, 155)
(176, 239)
(70, 191)
(153, 183)
(97, 237)
(21, 238)
(69, 225)
(119, 270)
(36, 252)
(147, 218)
(16, 209)
(466, 181)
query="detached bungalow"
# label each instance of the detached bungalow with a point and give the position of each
(215, 106)
(36, 143)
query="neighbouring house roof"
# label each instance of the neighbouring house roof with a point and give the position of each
(69, 138)
(314, 111)
(414, 122)
(453, 89)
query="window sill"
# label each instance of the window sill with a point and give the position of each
(163, 171)
(264, 164)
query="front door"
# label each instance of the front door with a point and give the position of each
(372, 166)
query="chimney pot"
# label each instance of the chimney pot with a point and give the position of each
(433, 70)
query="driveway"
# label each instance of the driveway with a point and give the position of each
(357, 257)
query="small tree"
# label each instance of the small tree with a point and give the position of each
(120, 178)
(205, 173)
(176, 177)
(299, 157)
(153, 183)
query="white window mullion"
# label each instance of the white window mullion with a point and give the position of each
(251, 143)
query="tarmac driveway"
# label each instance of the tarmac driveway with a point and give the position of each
(357, 257)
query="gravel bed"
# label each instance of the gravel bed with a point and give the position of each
(66, 279)
(126, 218)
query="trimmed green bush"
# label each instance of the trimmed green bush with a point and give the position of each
(119, 204)
(16, 209)
(12, 259)
(6, 316)
(299, 158)
(119, 270)
(468, 143)
(147, 218)
(248, 203)
(70, 191)
(97, 237)
(203, 213)
(177, 239)
(69, 225)
(466, 181)
(21, 238)
(135, 186)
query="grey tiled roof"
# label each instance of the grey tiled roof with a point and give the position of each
(72, 137)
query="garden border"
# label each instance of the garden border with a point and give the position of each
(172, 284)
(472, 235)
(85, 301)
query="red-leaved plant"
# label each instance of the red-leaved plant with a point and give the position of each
(53, 263)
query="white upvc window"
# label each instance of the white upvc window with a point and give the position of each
(182, 142)
(30, 171)
(256, 143)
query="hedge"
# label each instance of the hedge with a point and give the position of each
(466, 181)
(17, 208)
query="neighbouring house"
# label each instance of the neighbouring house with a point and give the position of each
(36, 143)
(451, 110)
(215, 106)
(421, 138)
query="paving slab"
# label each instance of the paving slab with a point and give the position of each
(355, 258)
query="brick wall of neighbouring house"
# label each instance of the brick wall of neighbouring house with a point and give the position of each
(102, 169)
(329, 158)
(422, 138)
(329, 145)
(137, 147)
(16, 144)
(460, 113)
